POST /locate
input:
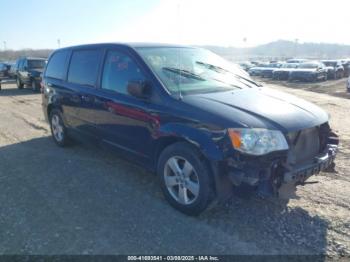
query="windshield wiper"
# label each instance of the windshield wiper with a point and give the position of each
(218, 69)
(184, 73)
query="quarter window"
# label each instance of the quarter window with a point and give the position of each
(83, 67)
(56, 66)
(118, 70)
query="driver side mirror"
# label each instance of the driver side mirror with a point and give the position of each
(139, 89)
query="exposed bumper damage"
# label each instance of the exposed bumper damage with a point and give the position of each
(320, 163)
(311, 151)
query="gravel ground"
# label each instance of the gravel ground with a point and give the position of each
(83, 200)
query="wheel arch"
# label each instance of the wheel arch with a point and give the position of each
(52, 106)
(200, 139)
(203, 143)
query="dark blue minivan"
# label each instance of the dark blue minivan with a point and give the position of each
(199, 122)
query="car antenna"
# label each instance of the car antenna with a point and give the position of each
(180, 94)
(178, 64)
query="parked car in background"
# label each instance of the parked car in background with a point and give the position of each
(246, 65)
(4, 70)
(256, 63)
(309, 71)
(283, 72)
(256, 70)
(13, 70)
(189, 116)
(28, 72)
(297, 60)
(267, 72)
(346, 65)
(335, 69)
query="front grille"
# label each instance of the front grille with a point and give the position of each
(304, 146)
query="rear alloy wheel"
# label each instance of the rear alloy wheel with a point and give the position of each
(58, 130)
(185, 178)
(19, 83)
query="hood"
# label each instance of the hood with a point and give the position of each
(37, 70)
(305, 70)
(286, 69)
(270, 68)
(260, 108)
(257, 68)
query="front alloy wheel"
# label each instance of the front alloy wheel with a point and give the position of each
(181, 180)
(185, 178)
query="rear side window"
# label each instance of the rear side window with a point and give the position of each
(56, 66)
(83, 67)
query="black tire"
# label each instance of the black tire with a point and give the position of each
(35, 86)
(19, 83)
(62, 142)
(340, 74)
(201, 170)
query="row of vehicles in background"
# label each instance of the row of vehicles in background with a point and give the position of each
(299, 69)
(26, 71)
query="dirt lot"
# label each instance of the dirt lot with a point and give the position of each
(83, 200)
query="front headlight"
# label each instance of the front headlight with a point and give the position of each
(257, 141)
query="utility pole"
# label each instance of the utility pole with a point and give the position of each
(59, 43)
(4, 45)
(245, 47)
(296, 47)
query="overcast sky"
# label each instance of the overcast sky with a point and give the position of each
(38, 24)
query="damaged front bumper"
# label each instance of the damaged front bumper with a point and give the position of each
(320, 163)
(268, 173)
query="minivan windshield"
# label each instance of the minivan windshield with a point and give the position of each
(187, 70)
(36, 63)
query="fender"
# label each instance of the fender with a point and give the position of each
(200, 138)
(204, 139)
